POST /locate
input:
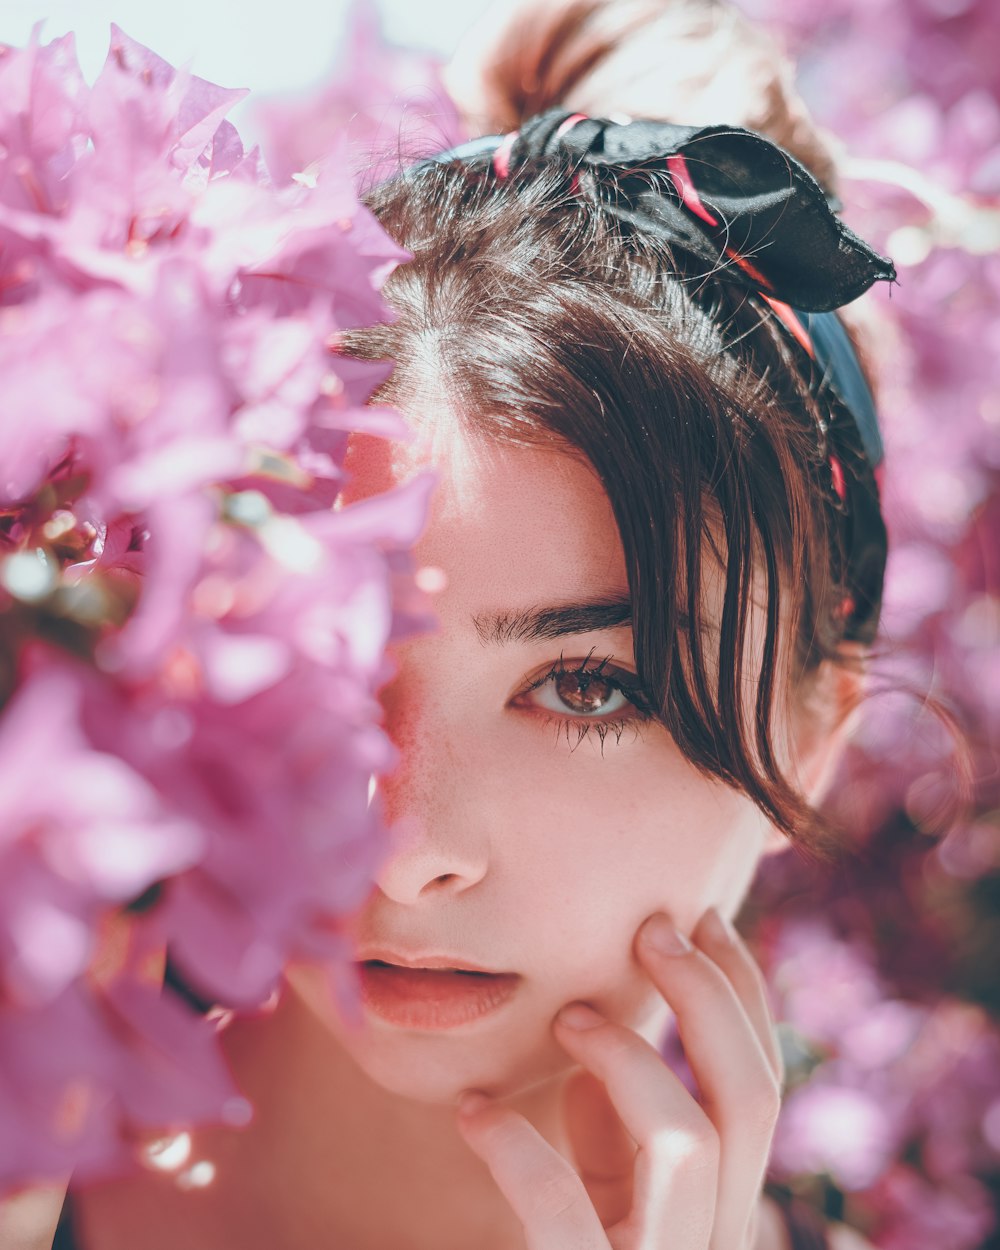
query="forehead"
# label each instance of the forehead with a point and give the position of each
(509, 525)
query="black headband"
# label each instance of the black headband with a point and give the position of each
(756, 217)
(728, 194)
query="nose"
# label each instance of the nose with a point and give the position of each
(423, 863)
(438, 836)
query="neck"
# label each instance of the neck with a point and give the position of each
(333, 1153)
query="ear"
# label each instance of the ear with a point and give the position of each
(823, 715)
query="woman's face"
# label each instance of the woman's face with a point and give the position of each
(536, 817)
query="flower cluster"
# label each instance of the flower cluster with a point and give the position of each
(891, 1000)
(192, 636)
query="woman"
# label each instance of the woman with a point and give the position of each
(657, 534)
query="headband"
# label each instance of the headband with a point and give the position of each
(755, 216)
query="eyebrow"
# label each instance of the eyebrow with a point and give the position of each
(554, 621)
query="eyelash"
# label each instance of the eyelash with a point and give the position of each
(581, 726)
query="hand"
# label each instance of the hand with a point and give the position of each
(655, 1170)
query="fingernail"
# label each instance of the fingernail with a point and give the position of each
(659, 933)
(471, 1101)
(718, 928)
(580, 1016)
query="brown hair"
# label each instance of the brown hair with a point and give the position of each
(548, 323)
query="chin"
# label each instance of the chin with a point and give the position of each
(434, 1068)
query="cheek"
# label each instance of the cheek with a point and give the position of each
(620, 836)
(582, 850)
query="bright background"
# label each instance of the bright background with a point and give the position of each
(267, 47)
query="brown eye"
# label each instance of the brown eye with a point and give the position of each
(579, 693)
(585, 693)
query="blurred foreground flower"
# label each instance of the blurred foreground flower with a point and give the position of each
(191, 637)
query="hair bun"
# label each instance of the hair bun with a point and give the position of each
(693, 62)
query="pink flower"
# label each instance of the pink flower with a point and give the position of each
(139, 1060)
(80, 830)
(173, 420)
(915, 1214)
(830, 1127)
(379, 108)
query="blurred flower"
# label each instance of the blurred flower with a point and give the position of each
(915, 1214)
(908, 924)
(378, 110)
(833, 1128)
(101, 835)
(192, 639)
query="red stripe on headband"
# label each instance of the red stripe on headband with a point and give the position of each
(501, 157)
(569, 123)
(837, 473)
(787, 315)
(682, 180)
(747, 268)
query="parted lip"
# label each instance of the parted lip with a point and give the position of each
(455, 962)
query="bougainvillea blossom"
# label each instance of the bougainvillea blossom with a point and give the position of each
(193, 638)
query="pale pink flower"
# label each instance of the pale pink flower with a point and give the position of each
(79, 830)
(379, 107)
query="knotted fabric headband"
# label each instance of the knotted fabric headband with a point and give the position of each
(754, 216)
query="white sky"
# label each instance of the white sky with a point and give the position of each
(266, 45)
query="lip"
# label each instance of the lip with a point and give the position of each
(433, 992)
(453, 963)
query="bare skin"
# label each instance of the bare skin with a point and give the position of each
(520, 846)
(327, 1150)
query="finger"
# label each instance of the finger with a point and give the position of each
(726, 1055)
(546, 1194)
(718, 938)
(739, 1090)
(603, 1151)
(676, 1167)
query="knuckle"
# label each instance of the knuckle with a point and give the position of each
(505, 1136)
(555, 1195)
(617, 1045)
(612, 1047)
(500, 1132)
(696, 1146)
